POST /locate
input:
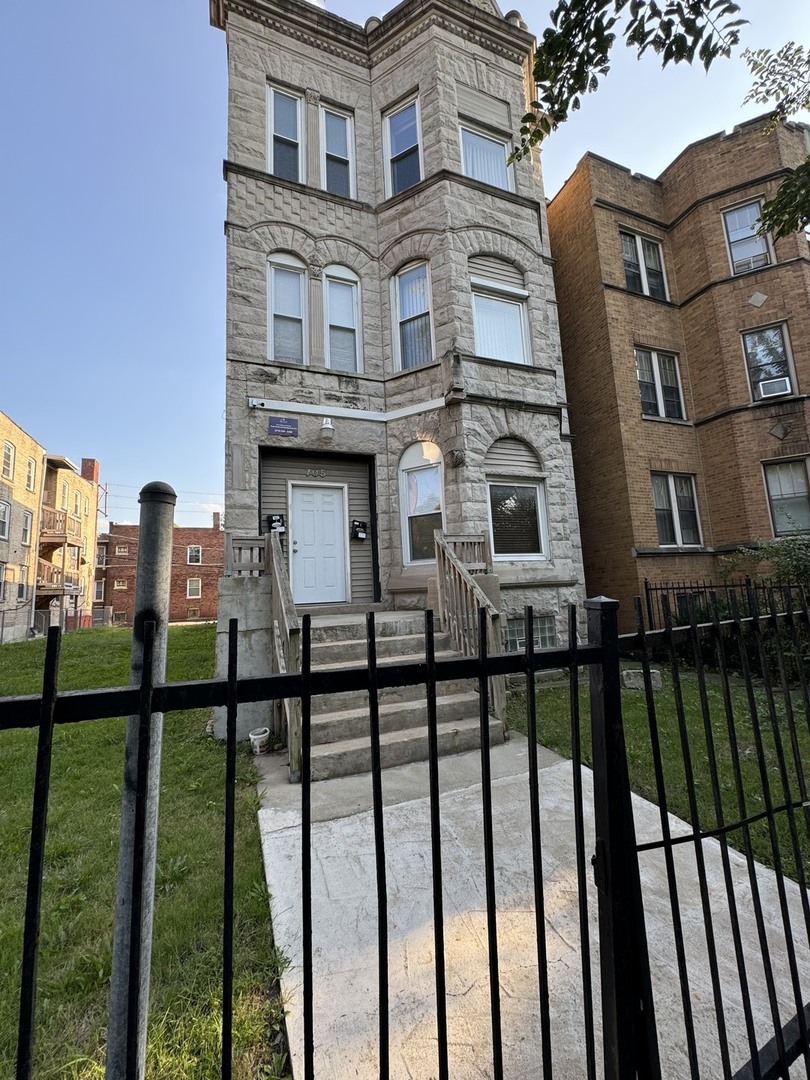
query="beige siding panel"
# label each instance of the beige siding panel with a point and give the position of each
(504, 273)
(510, 456)
(482, 107)
(277, 469)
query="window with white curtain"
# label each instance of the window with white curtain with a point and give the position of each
(676, 514)
(341, 309)
(287, 314)
(499, 311)
(484, 157)
(421, 482)
(786, 483)
(746, 248)
(412, 301)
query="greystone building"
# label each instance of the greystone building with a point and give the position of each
(393, 356)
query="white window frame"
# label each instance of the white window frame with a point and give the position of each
(98, 593)
(101, 555)
(119, 583)
(397, 321)
(9, 460)
(300, 129)
(537, 484)
(86, 507)
(387, 117)
(341, 114)
(766, 240)
(504, 143)
(31, 475)
(516, 632)
(27, 528)
(656, 355)
(674, 511)
(766, 465)
(2, 581)
(640, 239)
(755, 387)
(280, 260)
(22, 583)
(343, 276)
(77, 504)
(190, 595)
(65, 499)
(194, 548)
(505, 294)
(5, 519)
(424, 455)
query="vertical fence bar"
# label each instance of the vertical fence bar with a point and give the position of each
(436, 848)
(379, 845)
(537, 847)
(669, 859)
(489, 851)
(153, 578)
(139, 854)
(579, 844)
(230, 829)
(628, 1018)
(36, 858)
(306, 844)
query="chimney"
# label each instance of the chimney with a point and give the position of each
(90, 469)
(217, 519)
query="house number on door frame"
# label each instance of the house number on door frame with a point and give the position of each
(316, 472)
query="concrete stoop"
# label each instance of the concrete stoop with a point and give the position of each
(341, 743)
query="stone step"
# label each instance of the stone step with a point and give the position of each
(351, 699)
(352, 756)
(353, 723)
(353, 627)
(353, 651)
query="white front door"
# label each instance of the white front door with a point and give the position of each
(317, 544)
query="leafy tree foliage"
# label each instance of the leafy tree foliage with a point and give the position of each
(785, 559)
(574, 52)
(783, 77)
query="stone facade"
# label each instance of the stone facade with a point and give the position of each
(198, 558)
(452, 67)
(723, 292)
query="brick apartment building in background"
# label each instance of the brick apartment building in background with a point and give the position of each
(198, 556)
(48, 525)
(686, 343)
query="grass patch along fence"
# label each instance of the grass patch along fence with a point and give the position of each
(79, 883)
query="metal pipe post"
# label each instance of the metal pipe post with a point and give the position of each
(151, 605)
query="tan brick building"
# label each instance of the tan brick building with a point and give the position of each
(686, 341)
(393, 358)
(48, 524)
(197, 564)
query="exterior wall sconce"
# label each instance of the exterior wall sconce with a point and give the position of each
(327, 429)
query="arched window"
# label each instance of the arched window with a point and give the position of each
(287, 309)
(413, 339)
(516, 496)
(421, 496)
(341, 308)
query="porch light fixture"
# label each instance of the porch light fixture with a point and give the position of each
(327, 429)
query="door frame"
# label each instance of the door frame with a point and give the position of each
(344, 490)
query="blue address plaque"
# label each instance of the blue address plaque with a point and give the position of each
(282, 425)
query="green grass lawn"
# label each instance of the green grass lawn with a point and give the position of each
(80, 867)
(554, 731)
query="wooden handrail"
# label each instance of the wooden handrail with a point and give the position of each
(460, 601)
(286, 651)
(246, 556)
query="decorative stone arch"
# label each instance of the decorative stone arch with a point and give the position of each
(475, 240)
(419, 246)
(271, 236)
(339, 251)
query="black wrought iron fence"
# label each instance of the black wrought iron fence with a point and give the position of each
(700, 594)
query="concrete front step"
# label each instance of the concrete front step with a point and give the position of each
(394, 716)
(354, 651)
(353, 627)
(324, 704)
(352, 756)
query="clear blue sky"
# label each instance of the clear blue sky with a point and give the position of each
(112, 255)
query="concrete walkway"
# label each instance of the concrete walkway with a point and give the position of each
(345, 924)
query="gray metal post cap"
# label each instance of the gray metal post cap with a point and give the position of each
(157, 491)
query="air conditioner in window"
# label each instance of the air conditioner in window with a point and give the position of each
(772, 387)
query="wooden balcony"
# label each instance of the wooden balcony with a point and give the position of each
(58, 527)
(52, 581)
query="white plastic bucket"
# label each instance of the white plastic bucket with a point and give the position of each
(260, 740)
